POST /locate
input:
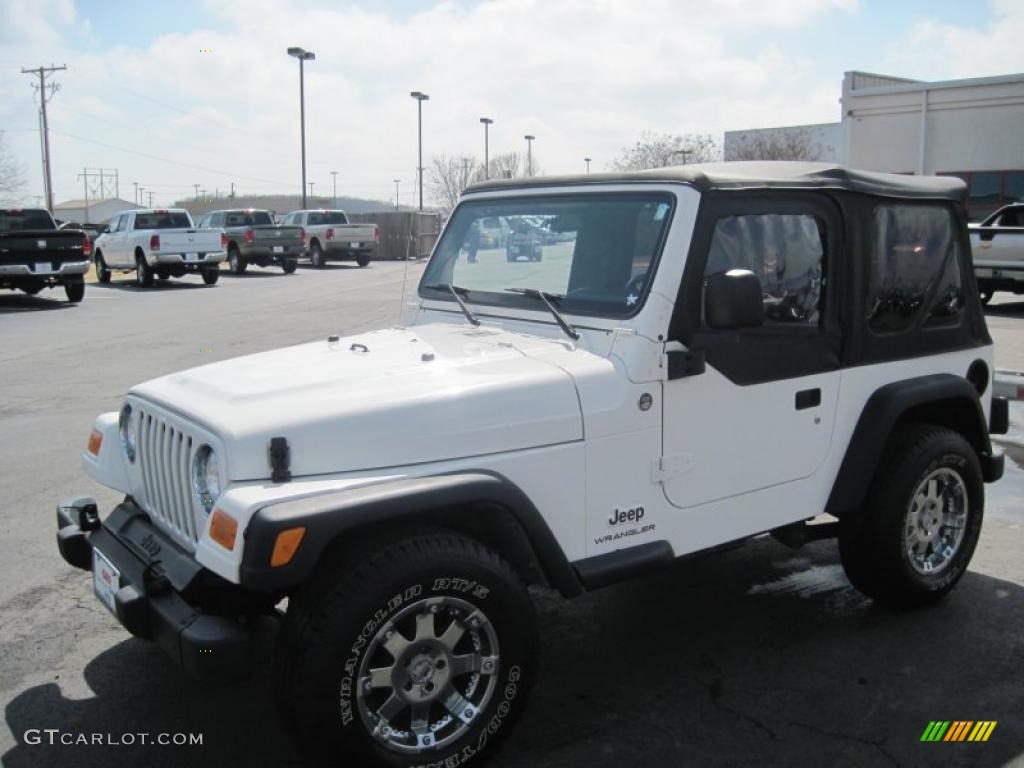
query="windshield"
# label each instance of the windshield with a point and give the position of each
(594, 252)
(12, 220)
(247, 219)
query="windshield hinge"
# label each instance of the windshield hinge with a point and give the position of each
(280, 459)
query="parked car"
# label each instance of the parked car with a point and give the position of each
(997, 244)
(525, 241)
(402, 487)
(35, 254)
(330, 236)
(158, 243)
(91, 229)
(253, 238)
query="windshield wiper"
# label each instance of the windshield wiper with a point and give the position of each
(458, 293)
(547, 298)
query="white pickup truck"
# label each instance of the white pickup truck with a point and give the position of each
(158, 243)
(331, 236)
(997, 245)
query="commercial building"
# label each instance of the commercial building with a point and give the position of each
(967, 128)
(92, 211)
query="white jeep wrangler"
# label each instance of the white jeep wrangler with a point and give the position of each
(702, 355)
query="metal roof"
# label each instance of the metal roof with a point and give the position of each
(754, 175)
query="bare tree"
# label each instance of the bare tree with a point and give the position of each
(449, 175)
(12, 174)
(657, 150)
(777, 144)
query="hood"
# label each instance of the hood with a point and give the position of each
(380, 399)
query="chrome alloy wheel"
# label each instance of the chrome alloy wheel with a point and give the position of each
(936, 520)
(427, 674)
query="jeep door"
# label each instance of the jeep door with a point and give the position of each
(761, 413)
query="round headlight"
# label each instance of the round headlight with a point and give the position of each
(206, 477)
(126, 425)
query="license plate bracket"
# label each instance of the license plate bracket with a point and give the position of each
(106, 579)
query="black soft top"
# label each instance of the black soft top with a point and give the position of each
(757, 175)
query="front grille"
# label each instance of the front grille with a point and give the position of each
(165, 456)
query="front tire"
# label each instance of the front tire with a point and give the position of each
(421, 653)
(921, 520)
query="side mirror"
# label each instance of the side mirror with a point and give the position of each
(732, 300)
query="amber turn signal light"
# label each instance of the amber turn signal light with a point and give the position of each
(95, 441)
(286, 545)
(223, 528)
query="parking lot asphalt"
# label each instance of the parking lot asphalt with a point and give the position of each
(759, 656)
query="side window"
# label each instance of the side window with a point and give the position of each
(115, 223)
(915, 269)
(786, 252)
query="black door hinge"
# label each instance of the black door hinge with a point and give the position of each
(682, 363)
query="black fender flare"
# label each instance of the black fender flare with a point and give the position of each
(497, 505)
(942, 398)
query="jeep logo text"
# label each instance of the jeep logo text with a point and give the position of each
(620, 516)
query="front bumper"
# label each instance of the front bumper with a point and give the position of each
(149, 602)
(44, 269)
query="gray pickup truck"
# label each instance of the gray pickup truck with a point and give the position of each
(254, 238)
(34, 254)
(331, 236)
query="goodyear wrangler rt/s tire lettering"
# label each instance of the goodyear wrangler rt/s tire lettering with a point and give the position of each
(419, 655)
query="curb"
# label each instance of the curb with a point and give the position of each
(1009, 384)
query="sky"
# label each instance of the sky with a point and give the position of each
(202, 92)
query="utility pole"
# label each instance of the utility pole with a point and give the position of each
(420, 98)
(529, 154)
(84, 176)
(397, 182)
(487, 160)
(311, 188)
(136, 198)
(334, 204)
(196, 188)
(232, 190)
(108, 185)
(150, 199)
(42, 73)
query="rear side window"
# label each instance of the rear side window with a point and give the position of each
(785, 251)
(915, 269)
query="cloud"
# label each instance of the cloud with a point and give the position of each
(585, 76)
(938, 50)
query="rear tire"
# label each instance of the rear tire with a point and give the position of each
(102, 273)
(143, 272)
(921, 520)
(316, 256)
(210, 276)
(236, 261)
(362, 259)
(75, 291)
(434, 617)
(289, 266)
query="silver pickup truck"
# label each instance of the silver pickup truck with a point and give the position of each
(997, 245)
(329, 235)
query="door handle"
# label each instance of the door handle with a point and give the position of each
(808, 398)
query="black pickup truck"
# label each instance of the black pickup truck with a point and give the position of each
(34, 254)
(253, 238)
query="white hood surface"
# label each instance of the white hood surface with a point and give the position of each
(422, 394)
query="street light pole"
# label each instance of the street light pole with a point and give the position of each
(310, 191)
(420, 98)
(335, 196)
(587, 161)
(487, 160)
(397, 182)
(529, 154)
(303, 56)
